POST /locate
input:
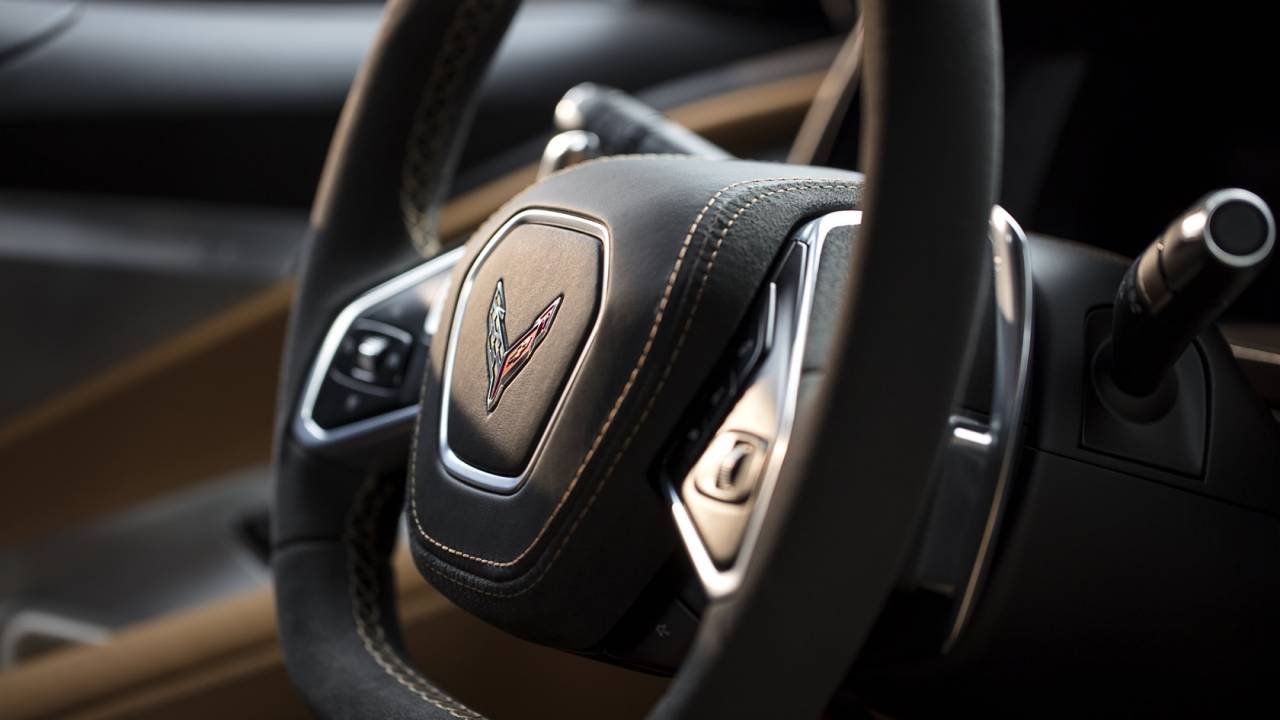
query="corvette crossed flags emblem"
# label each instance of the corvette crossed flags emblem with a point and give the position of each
(506, 361)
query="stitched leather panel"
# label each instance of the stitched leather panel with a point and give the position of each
(690, 243)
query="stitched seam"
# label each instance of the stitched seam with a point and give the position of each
(812, 185)
(435, 110)
(652, 398)
(364, 585)
(608, 422)
(419, 170)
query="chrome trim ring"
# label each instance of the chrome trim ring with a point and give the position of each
(456, 466)
(1217, 199)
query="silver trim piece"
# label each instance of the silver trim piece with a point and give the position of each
(777, 383)
(568, 148)
(306, 427)
(568, 113)
(1012, 286)
(970, 435)
(1216, 199)
(455, 465)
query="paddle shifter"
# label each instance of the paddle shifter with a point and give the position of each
(1183, 282)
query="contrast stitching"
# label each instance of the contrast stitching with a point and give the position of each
(804, 184)
(652, 398)
(608, 422)
(364, 584)
(436, 109)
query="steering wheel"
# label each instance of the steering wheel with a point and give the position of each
(745, 366)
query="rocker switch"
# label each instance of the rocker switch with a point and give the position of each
(731, 467)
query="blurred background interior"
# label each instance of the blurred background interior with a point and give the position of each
(158, 159)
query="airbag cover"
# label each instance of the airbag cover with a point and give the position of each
(646, 312)
(532, 300)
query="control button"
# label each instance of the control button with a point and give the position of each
(370, 350)
(337, 404)
(731, 467)
(375, 353)
(666, 640)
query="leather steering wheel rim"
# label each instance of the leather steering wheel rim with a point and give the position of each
(833, 542)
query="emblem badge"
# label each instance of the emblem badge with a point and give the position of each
(506, 361)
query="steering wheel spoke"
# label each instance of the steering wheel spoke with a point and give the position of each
(743, 421)
(361, 396)
(726, 463)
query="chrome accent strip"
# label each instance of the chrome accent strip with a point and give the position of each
(305, 425)
(455, 465)
(568, 148)
(1012, 285)
(1253, 354)
(720, 583)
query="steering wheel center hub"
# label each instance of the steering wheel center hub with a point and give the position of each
(580, 325)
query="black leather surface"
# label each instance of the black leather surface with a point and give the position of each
(343, 627)
(332, 523)
(690, 242)
(538, 265)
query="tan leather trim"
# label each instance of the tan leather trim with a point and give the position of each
(194, 406)
(752, 119)
(202, 403)
(821, 125)
(223, 660)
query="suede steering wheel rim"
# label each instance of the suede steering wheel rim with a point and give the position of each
(832, 540)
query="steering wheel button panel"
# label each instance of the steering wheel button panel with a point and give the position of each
(718, 503)
(364, 384)
(721, 497)
(374, 353)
